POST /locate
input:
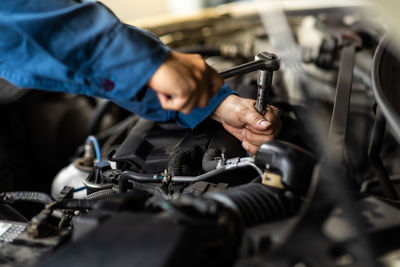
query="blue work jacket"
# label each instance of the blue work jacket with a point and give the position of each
(83, 48)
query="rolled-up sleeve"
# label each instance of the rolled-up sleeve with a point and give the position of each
(150, 108)
(83, 48)
(75, 47)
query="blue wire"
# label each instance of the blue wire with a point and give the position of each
(96, 146)
(79, 189)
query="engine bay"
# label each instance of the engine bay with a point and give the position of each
(86, 183)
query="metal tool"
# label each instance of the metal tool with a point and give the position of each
(266, 63)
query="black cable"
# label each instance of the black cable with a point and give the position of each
(140, 177)
(101, 194)
(340, 113)
(377, 136)
(387, 103)
(215, 173)
(118, 127)
(75, 204)
(118, 132)
(98, 115)
(26, 196)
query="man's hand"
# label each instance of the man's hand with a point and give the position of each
(240, 118)
(185, 81)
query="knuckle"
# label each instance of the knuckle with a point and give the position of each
(197, 56)
(237, 109)
(254, 118)
(242, 115)
(275, 109)
(203, 65)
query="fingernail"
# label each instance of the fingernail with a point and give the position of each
(264, 123)
(244, 134)
(245, 146)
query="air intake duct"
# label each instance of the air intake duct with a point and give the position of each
(256, 203)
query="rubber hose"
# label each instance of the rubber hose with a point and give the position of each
(101, 194)
(75, 204)
(139, 177)
(181, 161)
(26, 196)
(98, 115)
(257, 204)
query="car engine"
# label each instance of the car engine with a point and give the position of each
(86, 183)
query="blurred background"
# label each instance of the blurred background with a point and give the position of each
(137, 12)
(137, 9)
(132, 11)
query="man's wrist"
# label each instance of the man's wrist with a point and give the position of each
(197, 115)
(218, 113)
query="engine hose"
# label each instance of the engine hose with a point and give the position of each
(75, 204)
(181, 161)
(140, 177)
(256, 204)
(98, 115)
(101, 194)
(26, 196)
(216, 173)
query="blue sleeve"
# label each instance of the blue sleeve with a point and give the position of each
(151, 108)
(75, 47)
(83, 48)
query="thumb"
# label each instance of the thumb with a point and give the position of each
(255, 120)
(171, 102)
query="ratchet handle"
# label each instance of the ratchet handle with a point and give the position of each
(264, 62)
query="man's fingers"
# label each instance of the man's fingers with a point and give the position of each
(197, 101)
(272, 115)
(188, 78)
(274, 109)
(258, 139)
(249, 147)
(183, 104)
(255, 120)
(174, 103)
(254, 136)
